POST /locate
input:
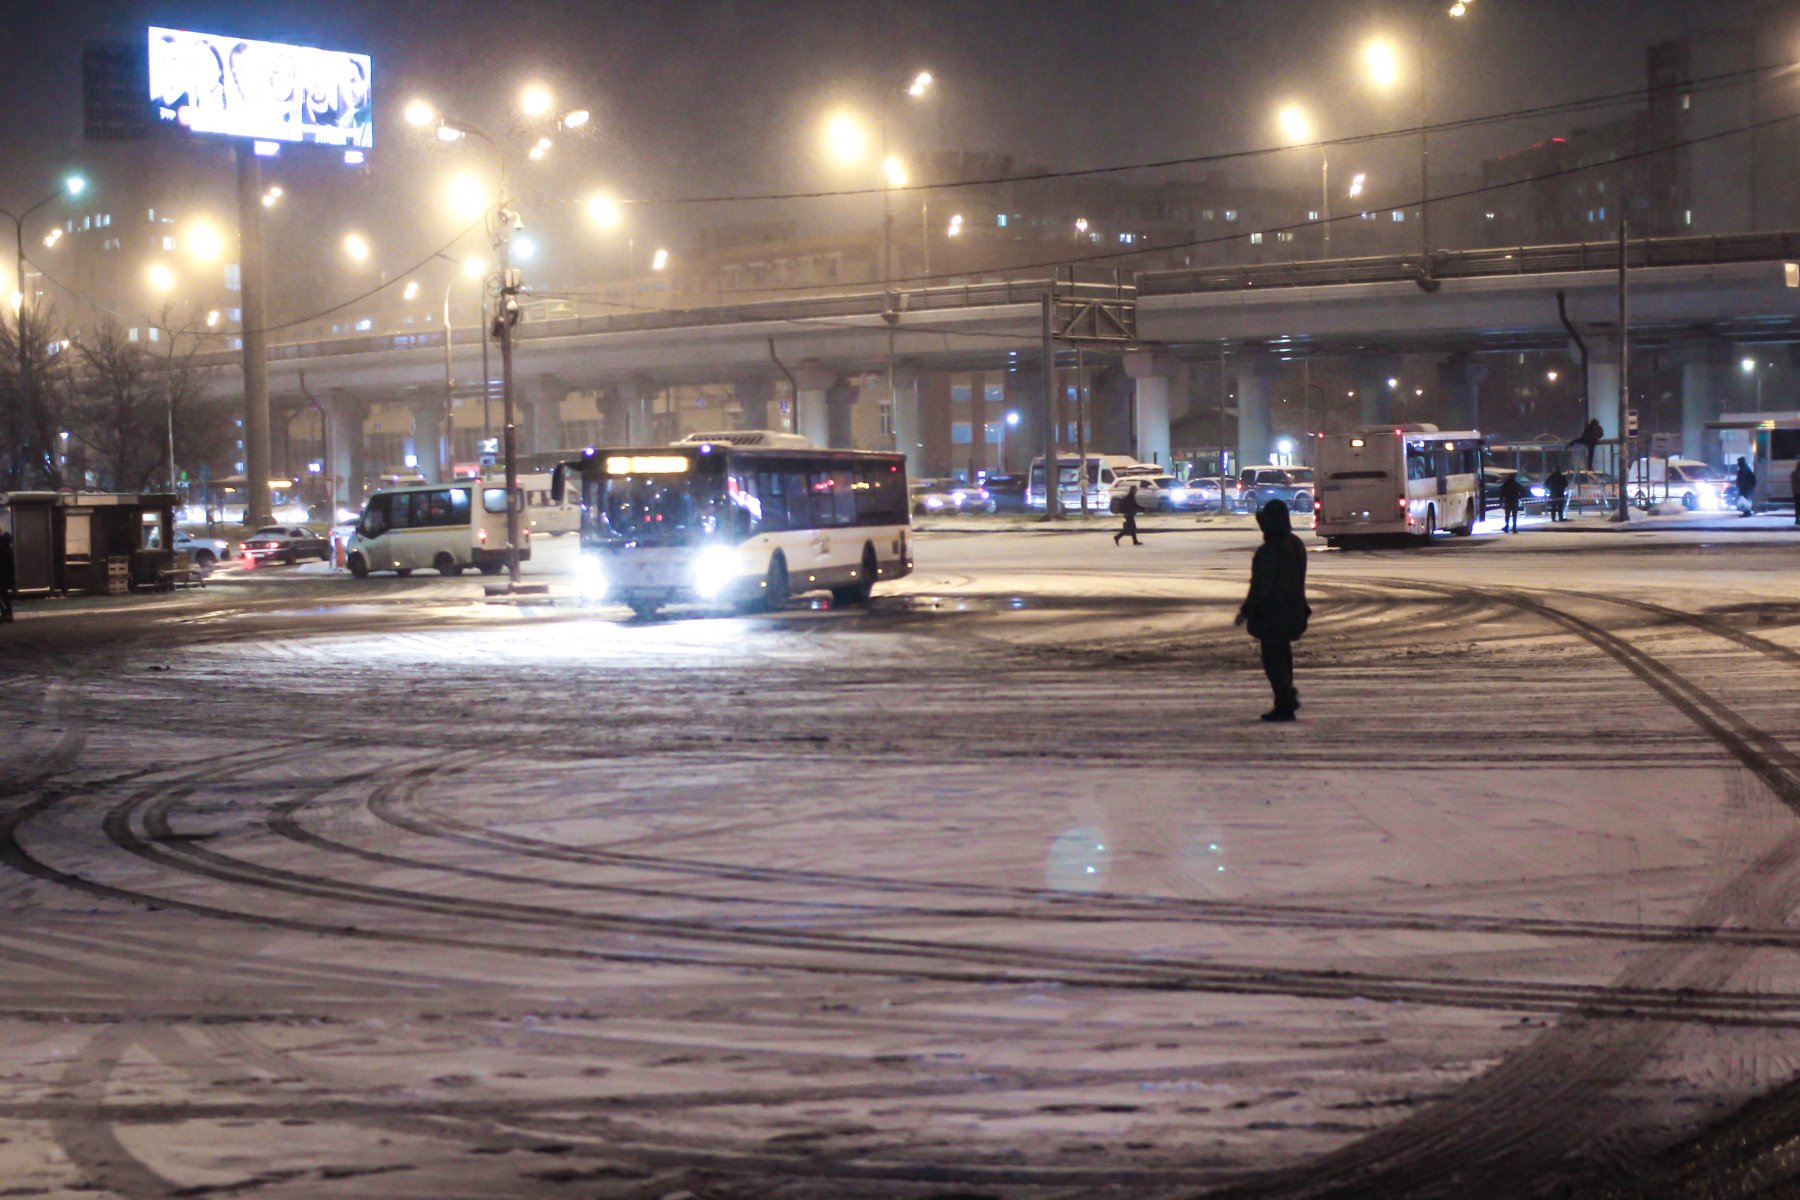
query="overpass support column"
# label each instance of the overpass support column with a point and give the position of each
(1150, 373)
(543, 398)
(1255, 386)
(1459, 377)
(753, 396)
(840, 414)
(934, 423)
(344, 418)
(814, 382)
(904, 414)
(1705, 382)
(636, 395)
(1603, 384)
(428, 420)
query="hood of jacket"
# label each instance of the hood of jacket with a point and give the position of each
(1274, 520)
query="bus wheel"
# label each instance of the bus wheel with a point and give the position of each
(643, 609)
(447, 565)
(490, 568)
(359, 566)
(1690, 502)
(858, 593)
(1468, 525)
(775, 584)
(1430, 526)
(403, 572)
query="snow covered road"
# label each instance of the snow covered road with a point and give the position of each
(325, 888)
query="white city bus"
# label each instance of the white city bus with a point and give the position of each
(1770, 442)
(747, 522)
(1406, 479)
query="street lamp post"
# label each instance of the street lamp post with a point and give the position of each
(74, 185)
(537, 105)
(1456, 9)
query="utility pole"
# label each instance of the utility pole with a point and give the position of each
(506, 314)
(1081, 456)
(24, 450)
(1619, 467)
(1052, 505)
(257, 507)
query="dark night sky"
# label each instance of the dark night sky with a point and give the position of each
(709, 96)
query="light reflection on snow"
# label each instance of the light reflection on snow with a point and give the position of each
(1079, 860)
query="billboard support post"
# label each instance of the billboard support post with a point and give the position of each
(257, 508)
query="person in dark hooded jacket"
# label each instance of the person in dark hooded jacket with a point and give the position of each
(1275, 612)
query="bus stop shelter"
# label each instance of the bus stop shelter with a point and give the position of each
(90, 543)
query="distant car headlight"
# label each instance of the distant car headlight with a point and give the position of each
(590, 577)
(1178, 495)
(934, 502)
(1537, 491)
(291, 514)
(714, 570)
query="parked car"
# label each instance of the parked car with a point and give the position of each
(970, 497)
(1256, 486)
(1198, 495)
(931, 497)
(202, 552)
(1697, 485)
(286, 544)
(1006, 493)
(1156, 493)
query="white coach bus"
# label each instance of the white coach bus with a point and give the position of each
(743, 518)
(1404, 479)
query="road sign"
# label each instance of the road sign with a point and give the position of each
(1631, 422)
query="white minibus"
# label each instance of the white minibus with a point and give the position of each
(445, 526)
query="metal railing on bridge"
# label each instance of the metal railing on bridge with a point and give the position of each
(1445, 265)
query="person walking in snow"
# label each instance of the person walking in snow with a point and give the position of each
(1131, 508)
(1275, 612)
(1746, 488)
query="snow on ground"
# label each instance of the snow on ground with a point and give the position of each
(328, 888)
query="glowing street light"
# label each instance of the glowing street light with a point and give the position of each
(410, 291)
(1747, 365)
(1550, 376)
(920, 85)
(161, 278)
(536, 100)
(1382, 62)
(894, 171)
(575, 118)
(212, 318)
(467, 195)
(419, 114)
(660, 260)
(1295, 125)
(845, 138)
(203, 241)
(1356, 184)
(53, 237)
(357, 247)
(474, 268)
(604, 211)
(956, 224)
(272, 197)
(524, 247)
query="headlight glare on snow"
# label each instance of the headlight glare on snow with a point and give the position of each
(714, 569)
(590, 577)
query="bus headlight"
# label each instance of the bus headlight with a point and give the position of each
(590, 578)
(714, 570)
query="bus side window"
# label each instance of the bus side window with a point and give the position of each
(459, 506)
(400, 511)
(774, 499)
(1418, 464)
(843, 495)
(799, 500)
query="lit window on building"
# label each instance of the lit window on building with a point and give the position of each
(1256, 239)
(234, 278)
(1312, 214)
(1000, 220)
(366, 324)
(1231, 214)
(1687, 216)
(131, 335)
(1399, 216)
(168, 245)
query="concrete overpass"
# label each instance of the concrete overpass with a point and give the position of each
(1703, 296)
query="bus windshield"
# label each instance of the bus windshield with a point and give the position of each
(665, 510)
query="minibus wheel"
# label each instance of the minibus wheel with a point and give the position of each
(359, 566)
(447, 565)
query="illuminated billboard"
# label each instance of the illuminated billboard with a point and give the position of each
(264, 90)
